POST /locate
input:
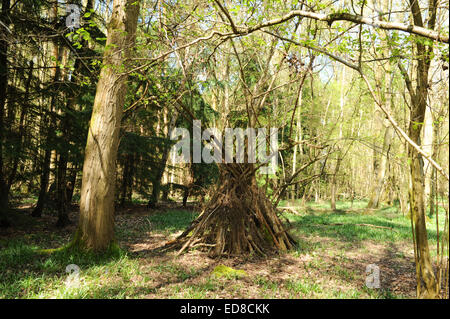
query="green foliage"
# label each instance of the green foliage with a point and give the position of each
(172, 221)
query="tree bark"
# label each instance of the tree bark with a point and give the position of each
(61, 191)
(334, 183)
(50, 133)
(65, 186)
(385, 84)
(358, 19)
(428, 147)
(96, 224)
(127, 180)
(156, 183)
(4, 191)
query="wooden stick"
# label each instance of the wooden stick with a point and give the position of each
(289, 209)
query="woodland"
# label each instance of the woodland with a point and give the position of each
(95, 203)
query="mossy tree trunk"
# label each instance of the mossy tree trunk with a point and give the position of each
(96, 224)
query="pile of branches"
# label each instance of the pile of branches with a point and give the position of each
(237, 220)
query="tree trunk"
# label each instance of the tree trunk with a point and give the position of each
(428, 148)
(96, 224)
(334, 183)
(156, 184)
(4, 192)
(61, 191)
(333, 194)
(427, 286)
(127, 180)
(238, 219)
(4, 221)
(64, 185)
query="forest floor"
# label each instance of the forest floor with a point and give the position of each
(334, 249)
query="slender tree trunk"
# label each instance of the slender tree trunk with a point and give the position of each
(4, 189)
(61, 191)
(50, 138)
(428, 147)
(96, 224)
(129, 194)
(127, 180)
(61, 168)
(23, 114)
(239, 219)
(72, 182)
(65, 186)
(156, 189)
(432, 199)
(380, 174)
(334, 183)
(381, 167)
(427, 286)
(4, 221)
(298, 138)
(45, 175)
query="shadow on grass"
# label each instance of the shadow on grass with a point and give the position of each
(25, 269)
(344, 226)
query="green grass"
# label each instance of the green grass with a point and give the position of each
(25, 273)
(172, 221)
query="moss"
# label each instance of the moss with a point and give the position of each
(224, 271)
